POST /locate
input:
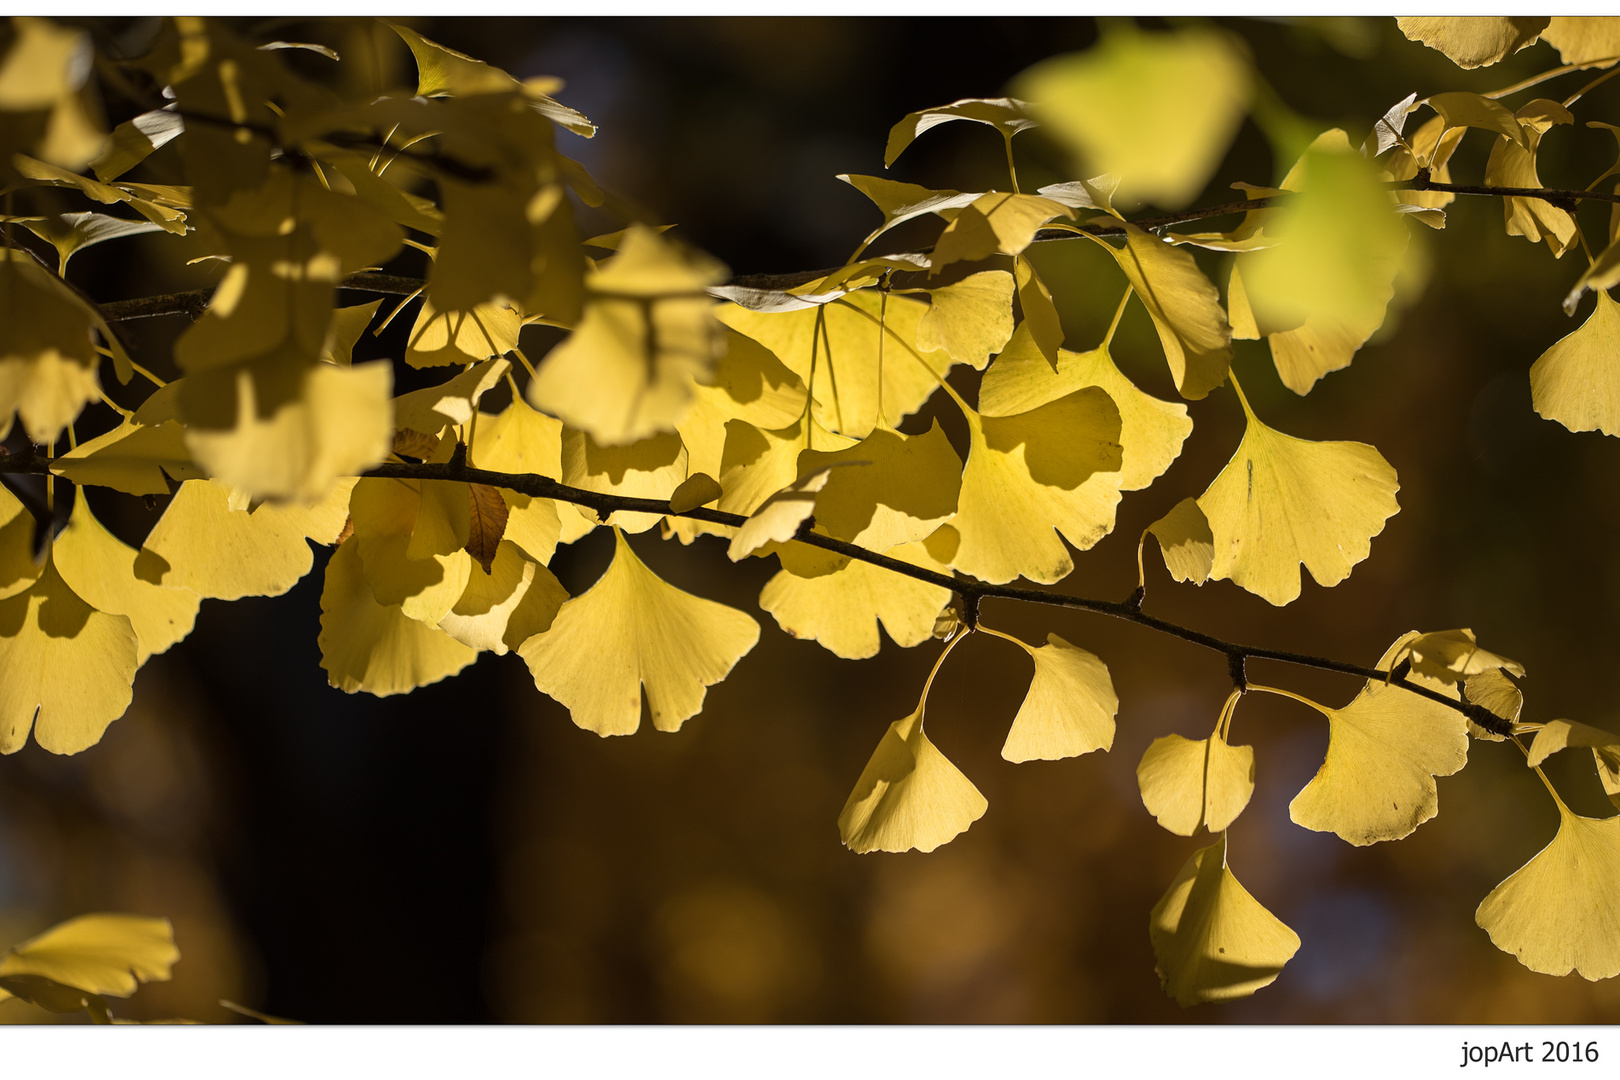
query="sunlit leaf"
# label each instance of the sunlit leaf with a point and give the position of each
(505, 606)
(109, 954)
(650, 469)
(1009, 116)
(1449, 655)
(1040, 313)
(132, 458)
(842, 609)
(632, 630)
(996, 223)
(1587, 40)
(44, 73)
(779, 517)
(47, 352)
(1464, 109)
(462, 337)
(1186, 542)
(1513, 164)
(909, 796)
(1186, 784)
(1213, 941)
(1185, 308)
(1494, 691)
(430, 409)
(1069, 708)
(1474, 41)
(699, 489)
(889, 489)
(901, 202)
(971, 320)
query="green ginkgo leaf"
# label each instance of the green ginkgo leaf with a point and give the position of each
(1215, 942)
(909, 796)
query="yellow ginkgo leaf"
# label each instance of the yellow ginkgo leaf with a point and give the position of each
(18, 571)
(996, 223)
(1151, 431)
(1323, 343)
(758, 462)
(521, 440)
(462, 337)
(1283, 501)
(496, 610)
(1069, 708)
(1032, 475)
(699, 489)
(1213, 941)
(1449, 655)
(374, 647)
(851, 344)
(1494, 691)
(650, 469)
(451, 402)
(1513, 164)
(1384, 750)
(632, 630)
(889, 489)
(1187, 784)
(1587, 40)
(132, 458)
(47, 350)
(1474, 41)
(1009, 116)
(971, 320)
(109, 954)
(909, 796)
(1560, 912)
(1186, 542)
(1556, 735)
(348, 324)
(100, 568)
(1576, 381)
(1156, 110)
(902, 202)
(842, 609)
(65, 668)
(203, 545)
(778, 517)
(44, 73)
(1185, 308)
(410, 538)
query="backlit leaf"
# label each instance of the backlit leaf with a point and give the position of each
(842, 609)
(632, 630)
(650, 469)
(1186, 542)
(1474, 41)
(1040, 313)
(1185, 308)
(1069, 708)
(901, 202)
(1494, 691)
(430, 409)
(1187, 784)
(996, 223)
(1215, 942)
(132, 458)
(778, 517)
(1449, 655)
(1463, 109)
(1587, 40)
(462, 337)
(108, 954)
(504, 607)
(971, 320)
(486, 523)
(909, 796)
(47, 353)
(896, 489)
(1513, 164)
(1009, 116)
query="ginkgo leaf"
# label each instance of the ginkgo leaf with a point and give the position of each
(18, 571)
(376, 648)
(848, 345)
(100, 569)
(462, 337)
(47, 353)
(699, 489)
(410, 537)
(1557, 735)
(1185, 308)
(505, 606)
(136, 139)
(1587, 40)
(1151, 431)
(486, 523)
(1213, 941)
(1464, 109)
(1449, 655)
(841, 610)
(1513, 164)
(1576, 381)
(1474, 41)
(1325, 342)
(648, 334)
(632, 630)
(1494, 691)
(1384, 750)
(71, 233)
(1032, 475)
(203, 545)
(444, 71)
(1156, 110)
(759, 462)
(1187, 784)
(1040, 313)
(65, 668)
(896, 489)
(909, 796)
(996, 223)
(901, 202)
(1069, 708)
(778, 517)
(970, 320)
(132, 458)
(520, 440)
(44, 72)
(1186, 542)
(451, 402)
(1560, 912)
(104, 953)
(1009, 116)
(650, 469)
(1283, 501)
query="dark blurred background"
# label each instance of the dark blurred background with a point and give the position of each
(465, 854)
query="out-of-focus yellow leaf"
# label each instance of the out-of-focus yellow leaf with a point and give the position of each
(1384, 750)
(1577, 381)
(376, 648)
(1069, 708)
(1186, 784)
(650, 469)
(100, 569)
(909, 796)
(1450, 655)
(970, 320)
(1185, 308)
(1156, 110)
(1150, 431)
(632, 630)
(133, 141)
(1215, 942)
(648, 334)
(848, 344)
(842, 609)
(1559, 912)
(1474, 41)
(1053, 469)
(45, 73)
(132, 458)
(1008, 116)
(1186, 542)
(996, 223)
(1587, 40)
(451, 402)
(65, 668)
(462, 337)
(1283, 501)
(109, 954)
(47, 352)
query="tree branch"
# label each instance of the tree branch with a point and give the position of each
(970, 591)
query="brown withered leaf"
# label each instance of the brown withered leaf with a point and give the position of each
(487, 523)
(412, 443)
(346, 532)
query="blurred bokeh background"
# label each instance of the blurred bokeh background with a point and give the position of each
(465, 854)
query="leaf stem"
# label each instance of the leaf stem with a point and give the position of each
(922, 702)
